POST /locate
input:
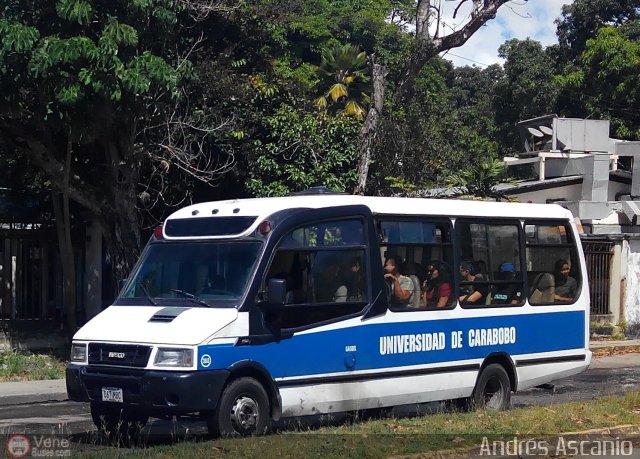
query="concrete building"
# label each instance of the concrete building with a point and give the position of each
(578, 166)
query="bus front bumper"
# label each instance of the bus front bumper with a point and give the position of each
(165, 392)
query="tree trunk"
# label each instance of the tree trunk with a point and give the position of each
(122, 237)
(63, 229)
(120, 222)
(371, 123)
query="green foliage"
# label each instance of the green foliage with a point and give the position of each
(582, 19)
(74, 11)
(344, 69)
(119, 34)
(480, 179)
(448, 123)
(527, 90)
(99, 76)
(327, 22)
(101, 64)
(301, 150)
(18, 366)
(604, 81)
(400, 187)
(16, 37)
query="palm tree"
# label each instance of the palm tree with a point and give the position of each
(344, 67)
(480, 180)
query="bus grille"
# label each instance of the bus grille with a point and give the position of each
(119, 354)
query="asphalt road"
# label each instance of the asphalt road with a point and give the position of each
(607, 375)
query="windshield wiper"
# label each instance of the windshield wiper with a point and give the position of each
(191, 297)
(146, 292)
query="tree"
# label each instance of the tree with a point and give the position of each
(480, 180)
(427, 43)
(581, 20)
(527, 90)
(269, 73)
(84, 84)
(606, 79)
(345, 67)
(301, 149)
(597, 58)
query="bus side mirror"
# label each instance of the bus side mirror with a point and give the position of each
(277, 292)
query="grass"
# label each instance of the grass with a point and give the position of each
(19, 366)
(442, 432)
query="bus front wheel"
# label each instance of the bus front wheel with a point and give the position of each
(243, 410)
(493, 389)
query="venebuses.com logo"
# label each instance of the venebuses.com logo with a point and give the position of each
(18, 445)
(21, 445)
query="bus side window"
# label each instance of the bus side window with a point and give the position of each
(325, 267)
(422, 250)
(552, 263)
(490, 266)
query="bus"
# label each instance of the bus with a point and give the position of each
(246, 311)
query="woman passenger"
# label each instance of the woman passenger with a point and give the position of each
(437, 288)
(566, 286)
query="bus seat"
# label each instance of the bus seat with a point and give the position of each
(542, 289)
(489, 298)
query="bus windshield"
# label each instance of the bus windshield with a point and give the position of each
(192, 273)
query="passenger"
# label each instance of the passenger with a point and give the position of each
(471, 293)
(507, 293)
(401, 286)
(481, 268)
(437, 286)
(409, 269)
(352, 289)
(566, 286)
(214, 283)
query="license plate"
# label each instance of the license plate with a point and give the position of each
(112, 394)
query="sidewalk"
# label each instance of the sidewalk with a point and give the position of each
(15, 393)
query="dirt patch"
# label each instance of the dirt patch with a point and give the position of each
(615, 350)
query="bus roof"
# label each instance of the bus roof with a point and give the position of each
(262, 208)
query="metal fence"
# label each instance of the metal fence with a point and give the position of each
(598, 255)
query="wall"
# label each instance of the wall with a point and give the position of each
(632, 290)
(33, 335)
(569, 192)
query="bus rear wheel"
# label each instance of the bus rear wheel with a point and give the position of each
(243, 410)
(493, 389)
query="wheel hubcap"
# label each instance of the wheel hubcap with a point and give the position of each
(244, 414)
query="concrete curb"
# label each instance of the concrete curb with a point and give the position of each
(33, 398)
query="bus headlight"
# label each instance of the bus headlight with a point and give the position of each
(166, 357)
(78, 353)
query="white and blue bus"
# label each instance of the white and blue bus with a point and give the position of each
(246, 311)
